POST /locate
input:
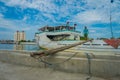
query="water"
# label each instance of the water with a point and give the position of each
(19, 47)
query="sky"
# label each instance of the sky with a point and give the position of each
(30, 15)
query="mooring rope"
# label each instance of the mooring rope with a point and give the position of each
(49, 63)
(87, 55)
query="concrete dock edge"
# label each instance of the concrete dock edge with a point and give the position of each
(99, 66)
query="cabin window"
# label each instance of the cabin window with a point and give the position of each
(86, 44)
(96, 44)
(105, 44)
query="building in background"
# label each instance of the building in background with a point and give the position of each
(19, 36)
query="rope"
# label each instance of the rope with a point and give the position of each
(87, 55)
(89, 66)
(48, 63)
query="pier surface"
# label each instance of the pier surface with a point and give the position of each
(15, 72)
(102, 64)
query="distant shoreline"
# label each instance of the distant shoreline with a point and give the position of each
(23, 43)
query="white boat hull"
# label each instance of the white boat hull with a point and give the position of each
(55, 44)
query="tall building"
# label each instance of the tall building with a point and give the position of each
(19, 36)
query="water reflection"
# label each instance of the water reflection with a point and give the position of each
(26, 47)
(19, 47)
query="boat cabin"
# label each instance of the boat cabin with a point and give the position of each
(57, 28)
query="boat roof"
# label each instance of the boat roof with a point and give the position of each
(55, 28)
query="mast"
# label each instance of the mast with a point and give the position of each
(111, 20)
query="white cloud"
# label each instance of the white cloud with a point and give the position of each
(6, 23)
(85, 12)
(118, 32)
(2, 9)
(97, 11)
(1, 15)
(13, 24)
(6, 35)
(42, 5)
(25, 18)
(94, 10)
(88, 17)
(97, 32)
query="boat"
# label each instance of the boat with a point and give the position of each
(101, 45)
(58, 36)
(64, 35)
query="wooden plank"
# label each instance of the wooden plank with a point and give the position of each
(52, 51)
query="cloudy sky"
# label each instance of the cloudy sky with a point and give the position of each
(29, 15)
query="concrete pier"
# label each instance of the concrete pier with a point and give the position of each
(19, 58)
(88, 62)
(70, 60)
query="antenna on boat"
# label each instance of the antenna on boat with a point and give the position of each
(111, 1)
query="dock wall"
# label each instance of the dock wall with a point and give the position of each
(91, 64)
(19, 58)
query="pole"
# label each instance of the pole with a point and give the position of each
(111, 20)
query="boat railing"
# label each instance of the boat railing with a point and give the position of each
(58, 31)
